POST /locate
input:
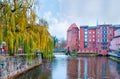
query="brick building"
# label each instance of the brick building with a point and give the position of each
(96, 39)
(104, 34)
(93, 39)
(87, 39)
(73, 37)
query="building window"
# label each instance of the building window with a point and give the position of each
(98, 35)
(85, 32)
(85, 44)
(98, 40)
(89, 32)
(85, 36)
(93, 32)
(104, 31)
(93, 39)
(90, 40)
(102, 40)
(110, 31)
(93, 36)
(85, 39)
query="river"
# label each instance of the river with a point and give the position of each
(66, 67)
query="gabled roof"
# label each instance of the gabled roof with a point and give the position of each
(72, 26)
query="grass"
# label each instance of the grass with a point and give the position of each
(74, 53)
(115, 59)
(91, 55)
(2, 57)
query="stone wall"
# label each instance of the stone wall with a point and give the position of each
(11, 66)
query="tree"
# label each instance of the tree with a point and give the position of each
(55, 41)
(20, 29)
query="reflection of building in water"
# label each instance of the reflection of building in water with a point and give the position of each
(114, 69)
(102, 68)
(93, 68)
(72, 68)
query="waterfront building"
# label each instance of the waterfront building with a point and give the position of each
(96, 39)
(115, 43)
(87, 39)
(93, 39)
(104, 34)
(73, 37)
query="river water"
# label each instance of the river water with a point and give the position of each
(66, 67)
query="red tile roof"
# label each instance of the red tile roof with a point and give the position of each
(72, 26)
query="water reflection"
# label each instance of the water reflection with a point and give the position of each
(75, 68)
(93, 68)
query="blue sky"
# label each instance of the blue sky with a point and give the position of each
(60, 14)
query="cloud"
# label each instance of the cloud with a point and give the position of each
(89, 11)
(56, 28)
(60, 14)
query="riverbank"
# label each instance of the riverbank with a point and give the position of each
(111, 56)
(115, 59)
(86, 55)
(22, 71)
(13, 66)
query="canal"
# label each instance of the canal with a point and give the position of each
(66, 67)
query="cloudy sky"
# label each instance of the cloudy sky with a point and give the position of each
(60, 14)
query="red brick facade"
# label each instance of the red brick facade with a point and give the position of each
(73, 37)
(87, 40)
(81, 38)
(98, 39)
(104, 34)
(92, 39)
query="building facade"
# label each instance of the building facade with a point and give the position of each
(87, 39)
(115, 43)
(104, 34)
(93, 39)
(96, 39)
(73, 37)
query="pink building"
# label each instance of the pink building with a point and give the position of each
(104, 34)
(115, 43)
(93, 39)
(73, 37)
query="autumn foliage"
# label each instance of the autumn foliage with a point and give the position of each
(18, 28)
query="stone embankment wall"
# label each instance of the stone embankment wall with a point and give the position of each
(13, 66)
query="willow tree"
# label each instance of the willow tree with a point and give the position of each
(21, 30)
(0, 34)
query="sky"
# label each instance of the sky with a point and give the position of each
(60, 14)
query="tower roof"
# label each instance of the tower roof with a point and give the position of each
(72, 26)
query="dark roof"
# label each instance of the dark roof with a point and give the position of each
(105, 25)
(85, 26)
(89, 27)
(92, 27)
(116, 26)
